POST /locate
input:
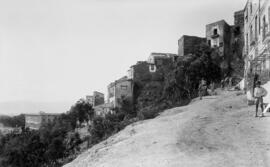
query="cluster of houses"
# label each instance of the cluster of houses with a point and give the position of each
(219, 35)
(5, 130)
(248, 38)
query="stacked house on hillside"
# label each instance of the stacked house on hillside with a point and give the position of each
(119, 90)
(158, 60)
(257, 40)
(218, 36)
(227, 40)
(96, 99)
(147, 70)
(140, 73)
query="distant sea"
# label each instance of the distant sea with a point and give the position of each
(21, 107)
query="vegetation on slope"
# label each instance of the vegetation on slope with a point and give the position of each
(56, 143)
(181, 80)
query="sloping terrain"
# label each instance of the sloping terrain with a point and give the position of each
(217, 131)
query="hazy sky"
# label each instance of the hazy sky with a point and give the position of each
(62, 50)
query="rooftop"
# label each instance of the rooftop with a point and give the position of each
(218, 22)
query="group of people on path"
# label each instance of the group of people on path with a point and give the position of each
(258, 93)
(202, 90)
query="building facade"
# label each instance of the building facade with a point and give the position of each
(96, 99)
(35, 121)
(158, 60)
(186, 44)
(237, 62)
(139, 71)
(228, 42)
(238, 32)
(120, 89)
(257, 40)
(218, 35)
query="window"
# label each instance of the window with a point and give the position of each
(250, 7)
(256, 35)
(259, 26)
(124, 87)
(152, 68)
(247, 49)
(215, 32)
(237, 31)
(251, 34)
(264, 27)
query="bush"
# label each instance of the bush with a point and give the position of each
(180, 84)
(16, 121)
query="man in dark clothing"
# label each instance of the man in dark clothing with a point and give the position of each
(256, 77)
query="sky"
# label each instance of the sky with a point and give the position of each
(53, 52)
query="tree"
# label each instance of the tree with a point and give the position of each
(16, 121)
(182, 80)
(82, 111)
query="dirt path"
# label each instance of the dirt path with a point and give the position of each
(214, 132)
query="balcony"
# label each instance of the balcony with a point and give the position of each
(215, 36)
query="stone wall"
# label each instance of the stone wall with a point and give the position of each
(141, 72)
(186, 44)
(143, 80)
(237, 45)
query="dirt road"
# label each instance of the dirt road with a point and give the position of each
(214, 132)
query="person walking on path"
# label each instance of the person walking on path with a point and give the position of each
(202, 88)
(259, 93)
(222, 84)
(212, 88)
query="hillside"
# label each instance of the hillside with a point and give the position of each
(217, 131)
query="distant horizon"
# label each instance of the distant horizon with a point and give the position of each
(25, 107)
